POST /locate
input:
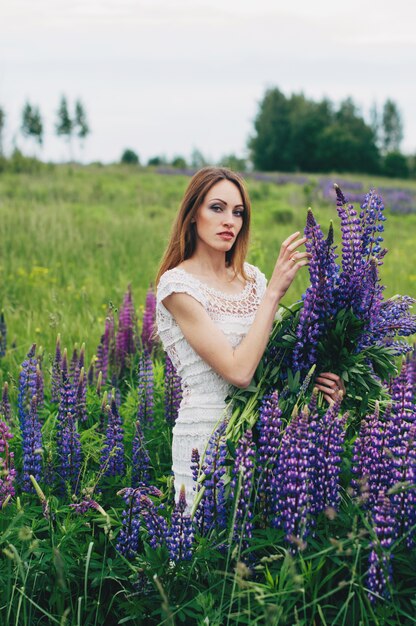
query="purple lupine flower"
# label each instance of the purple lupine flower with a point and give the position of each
(5, 406)
(372, 459)
(379, 573)
(241, 488)
(68, 443)
(31, 447)
(349, 281)
(90, 373)
(291, 498)
(82, 507)
(149, 319)
(80, 365)
(319, 296)
(7, 471)
(404, 499)
(73, 366)
(372, 219)
(180, 536)
(56, 371)
(154, 521)
(81, 397)
(269, 426)
(3, 334)
(145, 390)
(402, 445)
(106, 349)
(39, 386)
(212, 505)
(140, 463)
(411, 368)
(27, 384)
(394, 318)
(195, 466)
(128, 540)
(140, 506)
(326, 446)
(172, 392)
(112, 454)
(125, 338)
(368, 303)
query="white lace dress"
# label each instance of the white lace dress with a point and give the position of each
(204, 391)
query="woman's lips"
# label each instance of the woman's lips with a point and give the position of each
(225, 235)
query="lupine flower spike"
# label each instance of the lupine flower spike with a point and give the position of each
(140, 458)
(68, 440)
(241, 489)
(32, 447)
(145, 390)
(5, 406)
(173, 392)
(112, 456)
(125, 338)
(149, 317)
(180, 535)
(7, 471)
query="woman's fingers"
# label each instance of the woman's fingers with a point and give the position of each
(333, 380)
(331, 391)
(297, 256)
(297, 244)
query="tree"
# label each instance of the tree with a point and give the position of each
(81, 128)
(233, 163)
(2, 122)
(179, 162)
(299, 134)
(157, 160)
(392, 127)
(395, 165)
(32, 125)
(375, 123)
(197, 159)
(129, 157)
(64, 125)
(271, 145)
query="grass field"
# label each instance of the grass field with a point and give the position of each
(73, 238)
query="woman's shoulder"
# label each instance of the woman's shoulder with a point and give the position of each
(177, 280)
(254, 272)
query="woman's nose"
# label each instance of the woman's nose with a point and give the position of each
(228, 219)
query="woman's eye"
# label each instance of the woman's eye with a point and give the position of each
(239, 213)
(216, 207)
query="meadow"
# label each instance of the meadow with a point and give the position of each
(73, 238)
(95, 538)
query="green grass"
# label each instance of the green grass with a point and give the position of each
(73, 238)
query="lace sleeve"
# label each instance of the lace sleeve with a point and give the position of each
(170, 282)
(259, 277)
(178, 282)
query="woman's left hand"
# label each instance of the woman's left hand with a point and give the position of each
(330, 384)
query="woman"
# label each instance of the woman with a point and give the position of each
(215, 311)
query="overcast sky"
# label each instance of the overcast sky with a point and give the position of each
(168, 76)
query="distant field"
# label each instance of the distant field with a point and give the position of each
(73, 238)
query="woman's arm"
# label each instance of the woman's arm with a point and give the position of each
(237, 365)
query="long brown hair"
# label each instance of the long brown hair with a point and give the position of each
(182, 241)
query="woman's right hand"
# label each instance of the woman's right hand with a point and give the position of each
(288, 263)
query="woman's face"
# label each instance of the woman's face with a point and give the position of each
(219, 219)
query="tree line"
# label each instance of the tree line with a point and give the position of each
(67, 126)
(298, 134)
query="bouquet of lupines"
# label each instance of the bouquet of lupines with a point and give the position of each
(342, 325)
